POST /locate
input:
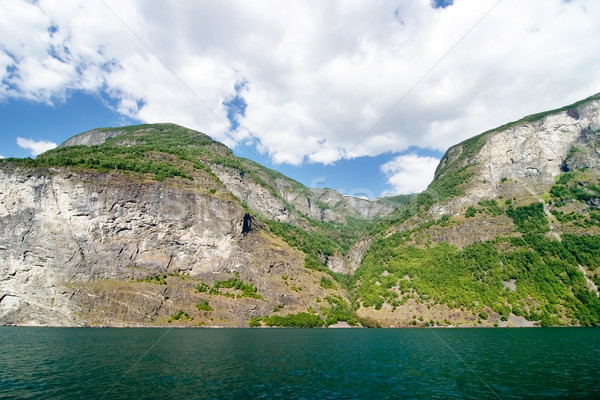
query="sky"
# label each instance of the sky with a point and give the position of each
(357, 96)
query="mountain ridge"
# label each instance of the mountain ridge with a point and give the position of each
(158, 224)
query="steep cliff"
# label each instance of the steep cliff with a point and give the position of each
(529, 153)
(93, 248)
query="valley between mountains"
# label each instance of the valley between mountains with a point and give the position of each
(159, 225)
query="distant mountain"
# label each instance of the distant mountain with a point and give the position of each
(161, 225)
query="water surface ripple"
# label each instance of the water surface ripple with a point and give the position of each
(72, 363)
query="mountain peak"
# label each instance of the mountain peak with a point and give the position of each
(142, 132)
(530, 152)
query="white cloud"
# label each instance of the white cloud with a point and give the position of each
(409, 173)
(1, 156)
(35, 147)
(320, 75)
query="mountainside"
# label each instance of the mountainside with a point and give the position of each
(506, 234)
(160, 225)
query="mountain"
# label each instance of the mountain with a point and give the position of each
(506, 234)
(130, 226)
(155, 225)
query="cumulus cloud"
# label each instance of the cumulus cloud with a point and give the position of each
(321, 81)
(409, 173)
(35, 147)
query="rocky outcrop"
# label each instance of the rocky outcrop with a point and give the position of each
(526, 154)
(536, 152)
(255, 195)
(348, 264)
(77, 227)
(94, 137)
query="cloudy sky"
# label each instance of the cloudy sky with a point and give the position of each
(360, 96)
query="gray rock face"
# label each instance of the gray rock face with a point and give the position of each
(256, 196)
(60, 228)
(536, 151)
(353, 205)
(349, 264)
(530, 155)
(333, 207)
(91, 138)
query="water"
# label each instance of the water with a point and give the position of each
(71, 363)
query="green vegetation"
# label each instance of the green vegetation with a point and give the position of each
(299, 320)
(325, 239)
(109, 158)
(158, 279)
(317, 246)
(203, 288)
(237, 284)
(490, 207)
(242, 288)
(549, 287)
(204, 306)
(529, 219)
(338, 310)
(179, 315)
(254, 322)
(446, 186)
(454, 172)
(467, 150)
(585, 249)
(399, 200)
(576, 187)
(545, 271)
(327, 283)
(162, 150)
(573, 186)
(471, 211)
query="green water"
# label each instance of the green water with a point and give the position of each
(72, 363)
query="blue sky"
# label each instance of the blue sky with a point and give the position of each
(358, 97)
(54, 123)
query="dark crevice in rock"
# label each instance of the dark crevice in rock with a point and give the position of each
(573, 113)
(247, 224)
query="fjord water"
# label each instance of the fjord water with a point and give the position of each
(71, 363)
